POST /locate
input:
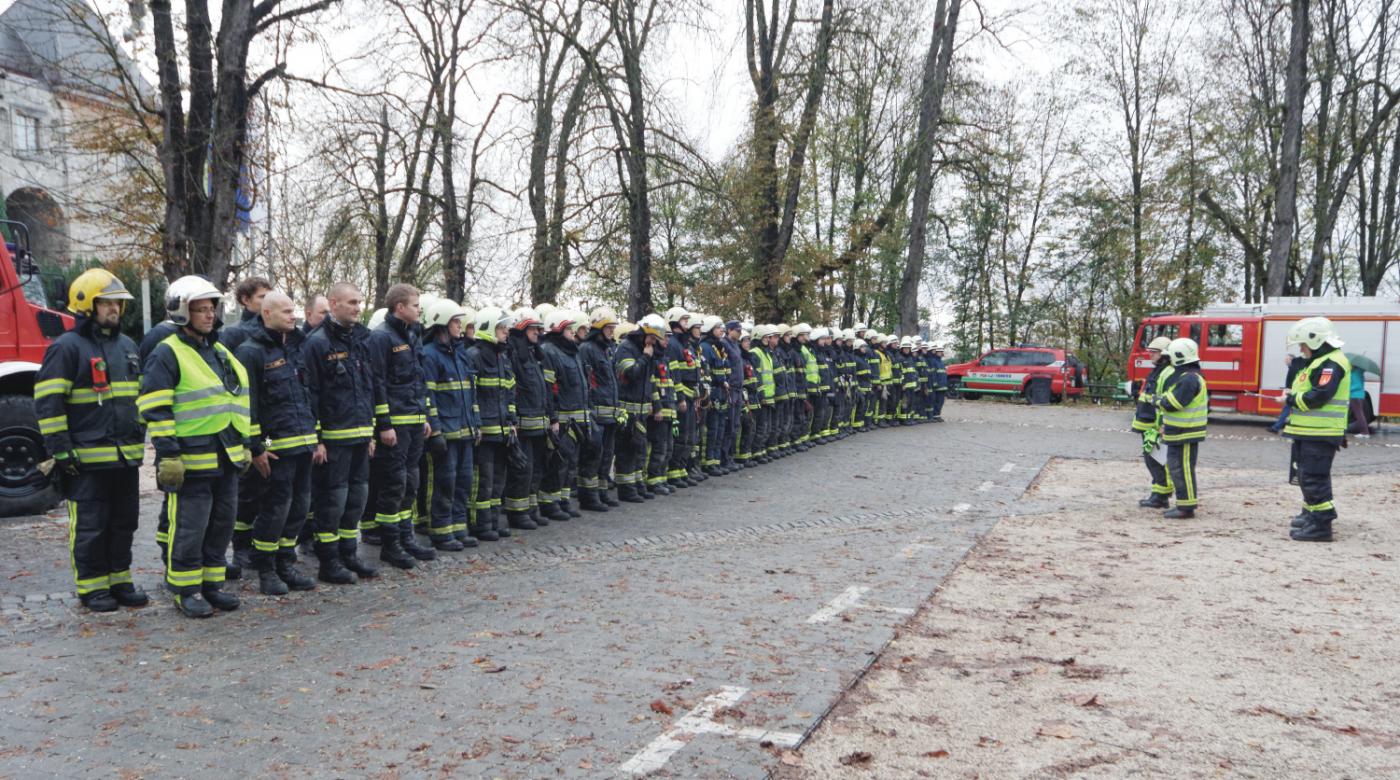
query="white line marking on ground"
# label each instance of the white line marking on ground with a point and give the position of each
(960, 508)
(847, 599)
(1008, 468)
(892, 610)
(701, 720)
(985, 486)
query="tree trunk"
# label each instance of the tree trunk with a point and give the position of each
(1286, 208)
(935, 81)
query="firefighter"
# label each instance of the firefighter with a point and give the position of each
(194, 398)
(745, 443)
(283, 445)
(633, 366)
(826, 379)
(683, 371)
(883, 378)
(940, 382)
(249, 293)
(661, 425)
(403, 424)
(314, 314)
(534, 408)
(1317, 420)
(452, 385)
(695, 472)
(1185, 405)
(715, 357)
(860, 354)
(85, 398)
(495, 400)
(1147, 420)
(568, 384)
(344, 399)
(733, 333)
(797, 388)
(605, 415)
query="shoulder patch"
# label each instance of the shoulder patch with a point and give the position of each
(337, 355)
(402, 347)
(1326, 376)
(278, 363)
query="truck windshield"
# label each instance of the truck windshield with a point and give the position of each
(1031, 358)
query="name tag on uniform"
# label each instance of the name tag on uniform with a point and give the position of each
(401, 348)
(337, 355)
(278, 363)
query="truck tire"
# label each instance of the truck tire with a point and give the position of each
(1038, 391)
(955, 388)
(24, 490)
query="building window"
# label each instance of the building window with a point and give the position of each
(26, 133)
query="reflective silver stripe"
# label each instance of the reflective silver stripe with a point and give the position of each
(200, 394)
(185, 415)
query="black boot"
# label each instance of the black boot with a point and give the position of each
(287, 571)
(447, 543)
(520, 521)
(128, 595)
(220, 599)
(589, 500)
(1317, 529)
(410, 543)
(608, 498)
(537, 518)
(1155, 501)
(567, 508)
(1180, 513)
(391, 548)
(332, 567)
(269, 584)
(193, 605)
(1302, 519)
(99, 601)
(630, 494)
(554, 513)
(351, 561)
(485, 528)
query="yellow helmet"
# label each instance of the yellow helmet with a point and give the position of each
(653, 325)
(92, 285)
(602, 317)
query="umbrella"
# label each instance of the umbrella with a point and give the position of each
(1359, 361)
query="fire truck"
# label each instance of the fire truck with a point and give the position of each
(27, 327)
(1245, 359)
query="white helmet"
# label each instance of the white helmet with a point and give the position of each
(1159, 344)
(602, 317)
(860, 326)
(1313, 332)
(526, 317)
(377, 318)
(185, 290)
(557, 320)
(936, 347)
(442, 312)
(653, 325)
(675, 314)
(783, 329)
(623, 328)
(819, 333)
(860, 344)
(906, 343)
(488, 318)
(543, 309)
(848, 334)
(710, 323)
(802, 329)
(1183, 351)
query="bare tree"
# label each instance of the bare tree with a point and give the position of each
(1294, 93)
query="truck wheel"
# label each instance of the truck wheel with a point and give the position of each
(24, 490)
(1038, 391)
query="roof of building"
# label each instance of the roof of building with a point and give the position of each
(63, 43)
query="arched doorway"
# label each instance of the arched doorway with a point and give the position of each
(48, 228)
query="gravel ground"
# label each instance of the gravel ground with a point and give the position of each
(1103, 641)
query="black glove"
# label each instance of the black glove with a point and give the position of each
(437, 446)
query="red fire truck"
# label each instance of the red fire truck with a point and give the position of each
(27, 326)
(1245, 360)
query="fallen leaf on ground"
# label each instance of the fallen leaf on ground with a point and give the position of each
(936, 754)
(1057, 729)
(661, 707)
(858, 758)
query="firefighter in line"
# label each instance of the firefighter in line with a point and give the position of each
(694, 469)
(283, 433)
(1317, 420)
(715, 357)
(85, 396)
(749, 434)
(495, 400)
(1185, 405)
(661, 425)
(633, 366)
(314, 314)
(1147, 420)
(404, 422)
(797, 388)
(860, 355)
(683, 371)
(605, 413)
(940, 382)
(194, 398)
(534, 410)
(452, 384)
(810, 380)
(782, 392)
(733, 335)
(568, 384)
(344, 397)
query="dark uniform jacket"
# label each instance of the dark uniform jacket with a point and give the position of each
(683, 366)
(452, 384)
(533, 403)
(96, 421)
(234, 335)
(716, 360)
(495, 388)
(393, 353)
(634, 371)
(344, 394)
(279, 405)
(158, 333)
(596, 359)
(568, 384)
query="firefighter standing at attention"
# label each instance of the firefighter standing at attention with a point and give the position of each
(1185, 405)
(1317, 423)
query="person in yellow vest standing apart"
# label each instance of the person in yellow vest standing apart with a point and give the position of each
(1147, 420)
(194, 398)
(85, 396)
(1317, 423)
(1185, 405)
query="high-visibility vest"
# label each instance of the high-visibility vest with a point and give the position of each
(765, 373)
(203, 406)
(1330, 419)
(1189, 422)
(886, 367)
(810, 370)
